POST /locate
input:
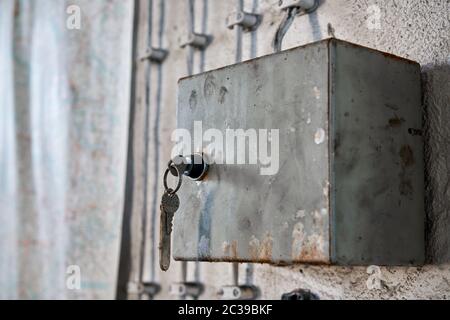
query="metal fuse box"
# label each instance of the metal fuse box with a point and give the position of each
(350, 184)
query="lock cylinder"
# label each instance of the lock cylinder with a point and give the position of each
(194, 166)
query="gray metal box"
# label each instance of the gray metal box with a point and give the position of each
(350, 184)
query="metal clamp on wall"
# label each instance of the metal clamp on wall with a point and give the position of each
(307, 6)
(146, 289)
(300, 294)
(185, 290)
(150, 289)
(247, 21)
(244, 292)
(196, 40)
(155, 55)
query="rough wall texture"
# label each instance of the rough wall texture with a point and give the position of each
(415, 29)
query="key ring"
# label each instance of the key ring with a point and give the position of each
(180, 179)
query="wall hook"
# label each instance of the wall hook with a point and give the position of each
(248, 21)
(155, 55)
(196, 40)
(307, 6)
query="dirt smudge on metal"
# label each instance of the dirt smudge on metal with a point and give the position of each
(209, 88)
(193, 100)
(222, 95)
(405, 186)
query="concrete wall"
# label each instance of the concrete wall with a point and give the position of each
(415, 29)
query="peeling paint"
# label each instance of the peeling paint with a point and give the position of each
(234, 245)
(261, 250)
(316, 92)
(226, 248)
(297, 239)
(254, 247)
(319, 137)
(300, 214)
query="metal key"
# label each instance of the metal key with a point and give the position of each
(169, 205)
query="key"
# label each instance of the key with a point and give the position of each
(169, 205)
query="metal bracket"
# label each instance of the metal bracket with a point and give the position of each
(155, 55)
(150, 289)
(307, 6)
(300, 294)
(248, 21)
(196, 40)
(133, 288)
(186, 289)
(238, 293)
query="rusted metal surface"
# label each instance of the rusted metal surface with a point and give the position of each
(345, 115)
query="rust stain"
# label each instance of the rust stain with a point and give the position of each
(309, 253)
(234, 253)
(266, 248)
(395, 122)
(229, 250)
(307, 245)
(311, 250)
(261, 251)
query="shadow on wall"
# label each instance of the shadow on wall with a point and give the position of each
(314, 22)
(436, 101)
